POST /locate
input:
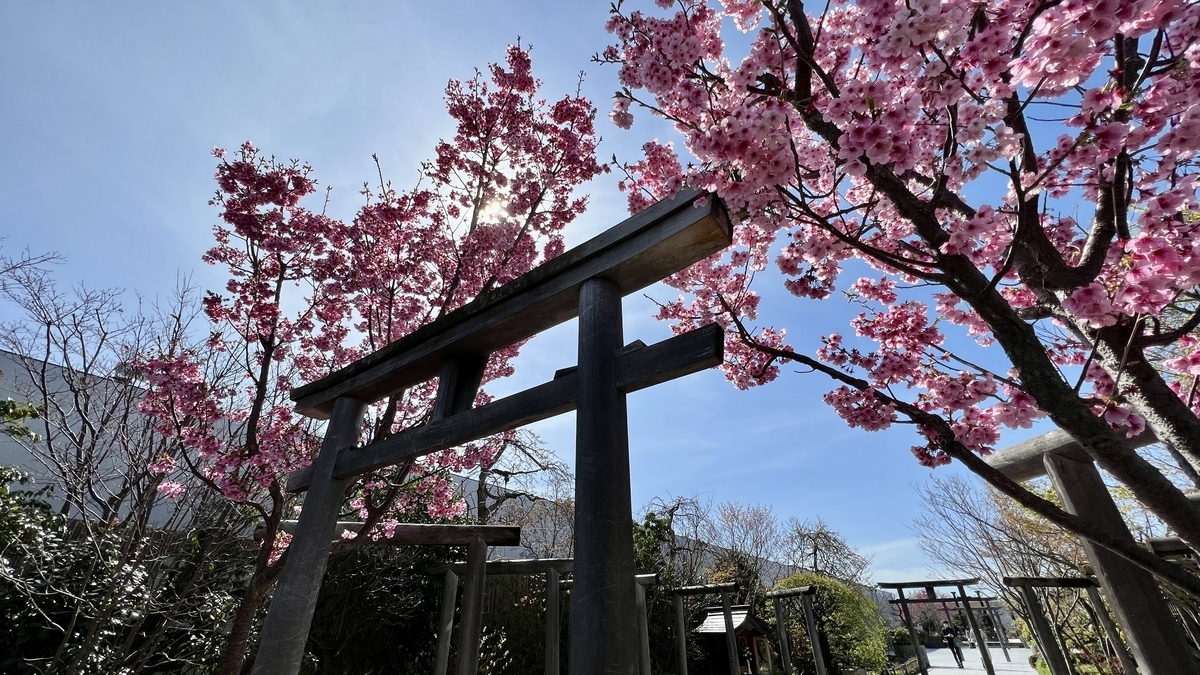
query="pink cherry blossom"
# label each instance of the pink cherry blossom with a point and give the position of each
(898, 135)
(307, 293)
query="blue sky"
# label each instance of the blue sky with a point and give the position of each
(110, 111)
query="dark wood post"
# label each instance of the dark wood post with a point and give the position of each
(643, 630)
(1110, 630)
(984, 655)
(446, 623)
(946, 611)
(1155, 639)
(1001, 635)
(552, 614)
(785, 653)
(471, 626)
(681, 634)
(604, 637)
(285, 630)
(814, 638)
(912, 632)
(1047, 642)
(730, 638)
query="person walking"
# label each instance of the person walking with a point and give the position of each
(950, 636)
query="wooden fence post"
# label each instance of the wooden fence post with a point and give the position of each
(446, 623)
(470, 628)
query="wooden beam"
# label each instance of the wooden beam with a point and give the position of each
(470, 627)
(285, 630)
(645, 248)
(458, 383)
(604, 634)
(785, 651)
(636, 369)
(938, 583)
(1023, 461)
(1128, 665)
(977, 602)
(1169, 546)
(643, 631)
(814, 636)
(984, 655)
(791, 592)
(446, 623)
(730, 638)
(423, 534)
(922, 663)
(681, 635)
(1044, 633)
(706, 589)
(553, 636)
(1050, 582)
(533, 566)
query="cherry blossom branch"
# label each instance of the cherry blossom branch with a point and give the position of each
(948, 443)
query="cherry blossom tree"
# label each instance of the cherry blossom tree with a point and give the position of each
(1018, 174)
(308, 293)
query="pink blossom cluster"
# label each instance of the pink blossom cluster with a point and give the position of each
(932, 100)
(308, 293)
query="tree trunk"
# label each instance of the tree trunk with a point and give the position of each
(233, 659)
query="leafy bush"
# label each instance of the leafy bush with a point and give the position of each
(92, 597)
(853, 629)
(377, 611)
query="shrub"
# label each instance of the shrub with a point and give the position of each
(852, 626)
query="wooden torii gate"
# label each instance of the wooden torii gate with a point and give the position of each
(810, 626)
(472, 620)
(588, 281)
(1156, 640)
(930, 590)
(987, 607)
(1044, 632)
(681, 628)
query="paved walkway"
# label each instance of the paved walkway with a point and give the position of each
(942, 661)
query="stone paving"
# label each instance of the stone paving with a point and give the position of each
(942, 661)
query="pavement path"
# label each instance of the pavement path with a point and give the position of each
(942, 661)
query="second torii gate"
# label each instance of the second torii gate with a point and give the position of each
(986, 607)
(587, 281)
(931, 590)
(1052, 652)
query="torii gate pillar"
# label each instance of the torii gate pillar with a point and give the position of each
(604, 636)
